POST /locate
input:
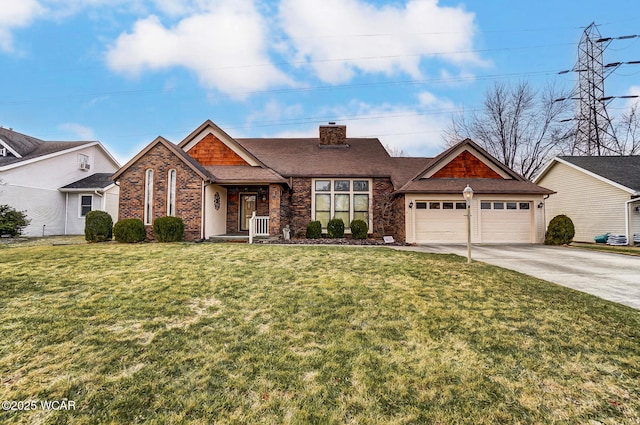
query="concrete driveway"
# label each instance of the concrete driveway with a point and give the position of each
(613, 277)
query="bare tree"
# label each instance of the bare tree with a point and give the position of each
(628, 132)
(395, 150)
(518, 125)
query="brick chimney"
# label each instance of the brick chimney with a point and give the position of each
(333, 135)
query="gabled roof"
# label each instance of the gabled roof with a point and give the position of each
(97, 181)
(17, 143)
(26, 149)
(208, 127)
(190, 162)
(620, 171)
(511, 182)
(468, 144)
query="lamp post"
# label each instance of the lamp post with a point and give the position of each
(468, 196)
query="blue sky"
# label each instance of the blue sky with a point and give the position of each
(126, 71)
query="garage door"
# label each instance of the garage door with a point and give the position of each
(440, 222)
(502, 221)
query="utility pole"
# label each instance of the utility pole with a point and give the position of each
(594, 133)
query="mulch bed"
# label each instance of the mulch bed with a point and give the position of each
(327, 241)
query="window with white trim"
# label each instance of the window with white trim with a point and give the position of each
(148, 197)
(171, 193)
(348, 199)
(86, 204)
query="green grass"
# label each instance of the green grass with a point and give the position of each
(232, 333)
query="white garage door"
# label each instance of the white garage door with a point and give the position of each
(502, 221)
(440, 222)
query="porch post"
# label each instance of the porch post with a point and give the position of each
(275, 193)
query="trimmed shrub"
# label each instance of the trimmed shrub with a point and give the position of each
(560, 231)
(168, 229)
(359, 229)
(12, 222)
(314, 230)
(129, 230)
(98, 226)
(335, 228)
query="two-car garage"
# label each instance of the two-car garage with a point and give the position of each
(432, 220)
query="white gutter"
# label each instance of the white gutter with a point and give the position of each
(627, 220)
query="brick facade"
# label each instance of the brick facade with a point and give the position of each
(466, 165)
(188, 190)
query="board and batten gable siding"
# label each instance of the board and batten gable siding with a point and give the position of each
(594, 206)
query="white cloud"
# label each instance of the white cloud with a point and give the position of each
(79, 131)
(338, 38)
(16, 14)
(226, 47)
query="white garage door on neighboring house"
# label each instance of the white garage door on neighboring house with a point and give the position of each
(505, 221)
(440, 221)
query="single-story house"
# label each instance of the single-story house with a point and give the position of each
(56, 183)
(216, 183)
(601, 194)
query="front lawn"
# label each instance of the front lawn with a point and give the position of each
(232, 333)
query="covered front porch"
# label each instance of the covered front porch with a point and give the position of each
(242, 211)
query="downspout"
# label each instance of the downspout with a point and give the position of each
(627, 220)
(103, 200)
(66, 212)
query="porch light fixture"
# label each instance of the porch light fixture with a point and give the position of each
(467, 193)
(410, 204)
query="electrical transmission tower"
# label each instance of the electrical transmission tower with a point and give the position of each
(594, 133)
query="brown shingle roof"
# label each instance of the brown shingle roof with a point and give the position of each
(306, 158)
(484, 186)
(229, 174)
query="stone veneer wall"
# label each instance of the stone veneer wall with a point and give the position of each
(188, 190)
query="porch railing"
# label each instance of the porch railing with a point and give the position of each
(258, 226)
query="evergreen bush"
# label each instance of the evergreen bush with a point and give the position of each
(560, 231)
(12, 222)
(314, 230)
(335, 228)
(168, 229)
(129, 230)
(359, 229)
(98, 226)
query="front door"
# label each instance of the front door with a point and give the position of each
(248, 204)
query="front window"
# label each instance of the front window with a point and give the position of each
(171, 196)
(341, 198)
(148, 197)
(86, 204)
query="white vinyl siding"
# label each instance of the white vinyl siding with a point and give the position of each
(594, 206)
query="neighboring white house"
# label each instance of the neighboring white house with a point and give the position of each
(56, 183)
(601, 194)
